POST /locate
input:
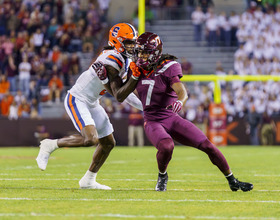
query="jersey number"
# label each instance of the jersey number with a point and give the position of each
(151, 84)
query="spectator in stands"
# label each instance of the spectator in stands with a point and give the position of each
(34, 109)
(104, 7)
(13, 111)
(268, 130)
(11, 72)
(201, 119)
(212, 30)
(19, 97)
(4, 86)
(37, 39)
(41, 133)
(220, 72)
(87, 40)
(55, 86)
(5, 105)
(221, 22)
(198, 18)
(24, 109)
(24, 75)
(52, 30)
(7, 46)
(55, 54)
(74, 64)
(186, 66)
(12, 21)
(234, 21)
(135, 128)
(254, 121)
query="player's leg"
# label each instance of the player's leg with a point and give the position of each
(165, 145)
(188, 134)
(103, 149)
(83, 122)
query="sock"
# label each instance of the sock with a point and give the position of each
(162, 174)
(230, 177)
(90, 175)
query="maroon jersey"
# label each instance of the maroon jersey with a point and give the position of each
(155, 91)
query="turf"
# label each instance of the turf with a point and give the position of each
(196, 188)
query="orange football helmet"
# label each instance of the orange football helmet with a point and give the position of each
(119, 33)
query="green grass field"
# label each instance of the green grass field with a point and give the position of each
(196, 188)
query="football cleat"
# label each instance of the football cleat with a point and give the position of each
(86, 183)
(162, 182)
(47, 146)
(236, 185)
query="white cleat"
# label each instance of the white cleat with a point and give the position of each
(47, 146)
(86, 184)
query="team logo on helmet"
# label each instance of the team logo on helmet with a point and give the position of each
(115, 31)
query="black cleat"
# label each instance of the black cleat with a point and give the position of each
(162, 182)
(236, 185)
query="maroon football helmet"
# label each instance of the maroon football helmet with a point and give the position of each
(151, 44)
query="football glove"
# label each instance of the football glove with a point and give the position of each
(135, 71)
(175, 106)
(100, 71)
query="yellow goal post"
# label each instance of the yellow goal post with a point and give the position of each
(216, 79)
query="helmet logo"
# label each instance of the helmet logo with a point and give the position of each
(115, 31)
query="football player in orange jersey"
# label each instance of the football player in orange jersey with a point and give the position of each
(82, 104)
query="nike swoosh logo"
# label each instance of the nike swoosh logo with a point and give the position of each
(157, 74)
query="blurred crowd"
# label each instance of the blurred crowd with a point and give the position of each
(44, 47)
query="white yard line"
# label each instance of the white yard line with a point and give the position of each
(142, 200)
(111, 215)
(75, 179)
(138, 189)
(89, 215)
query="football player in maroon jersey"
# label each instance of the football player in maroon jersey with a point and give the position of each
(162, 95)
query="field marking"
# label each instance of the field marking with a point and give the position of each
(138, 189)
(90, 215)
(126, 180)
(111, 215)
(119, 174)
(141, 200)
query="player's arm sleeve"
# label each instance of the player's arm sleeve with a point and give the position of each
(134, 101)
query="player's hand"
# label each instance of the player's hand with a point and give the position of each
(175, 106)
(135, 70)
(101, 72)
